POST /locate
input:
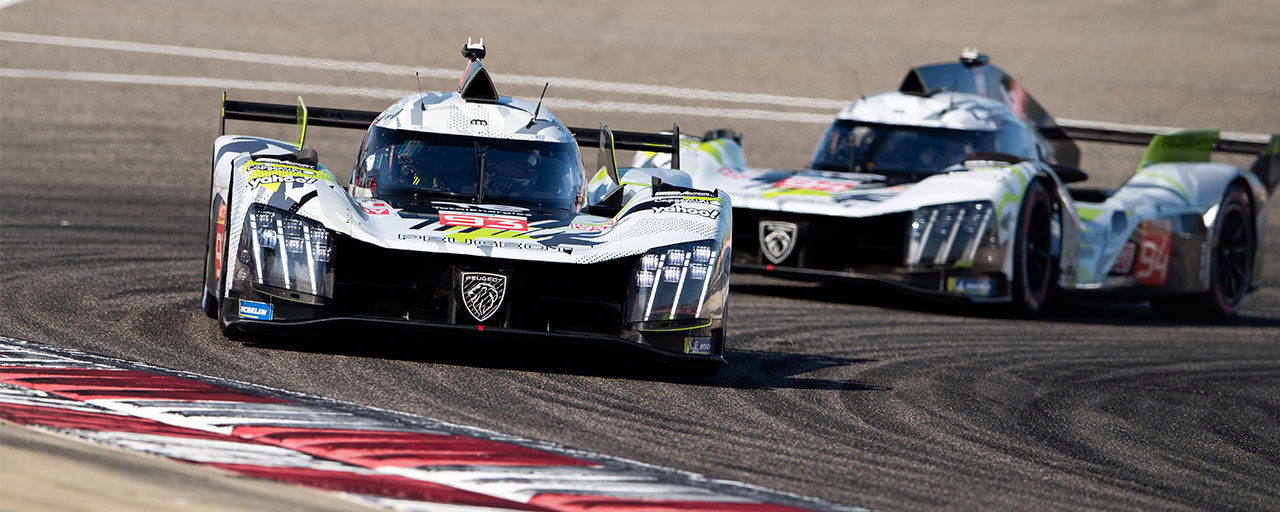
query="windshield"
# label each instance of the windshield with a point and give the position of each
(401, 164)
(894, 149)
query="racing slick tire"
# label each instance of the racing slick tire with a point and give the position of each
(209, 301)
(1033, 254)
(1230, 265)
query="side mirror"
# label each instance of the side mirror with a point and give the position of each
(1069, 173)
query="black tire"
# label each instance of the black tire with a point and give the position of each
(1230, 265)
(1033, 263)
(209, 300)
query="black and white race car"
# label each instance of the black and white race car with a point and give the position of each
(468, 214)
(955, 186)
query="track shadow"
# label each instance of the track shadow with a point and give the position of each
(753, 369)
(746, 369)
(1059, 308)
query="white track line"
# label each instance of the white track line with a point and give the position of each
(394, 94)
(442, 73)
(531, 80)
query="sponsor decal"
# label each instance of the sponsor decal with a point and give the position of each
(254, 310)
(1154, 248)
(697, 345)
(484, 221)
(482, 293)
(593, 228)
(971, 285)
(683, 194)
(680, 208)
(268, 172)
(1124, 259)
(483, 242)
(481, 209)
(730, 172)
(219, 240)
(375, 207)
(777, 239)
(808, 183)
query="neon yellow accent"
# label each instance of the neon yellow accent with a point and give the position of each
(690, 328)
(962, 264)
(1170, 181)
(302, 123)
(505, 234)
(415, 179)
(224, 103)
(795, 192)
(1087, 213)
(1184, 146)
(283, 171)
(638, 184)
(696, 198)
(1006, 199)
(713, 149)
(602, 174)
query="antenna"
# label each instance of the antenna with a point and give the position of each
(539, 107)
(952, 97)
(418, 77)
(858, 80)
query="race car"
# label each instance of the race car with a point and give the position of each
(955, 187)
(468, 216)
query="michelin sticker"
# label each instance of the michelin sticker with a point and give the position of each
(697, 345)
(254, 310)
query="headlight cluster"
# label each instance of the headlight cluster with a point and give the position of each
(674, 283)
(948, 234)
(286, 251)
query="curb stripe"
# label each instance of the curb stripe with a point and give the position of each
(387, 460)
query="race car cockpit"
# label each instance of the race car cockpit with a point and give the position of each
(405, 165)
(910, 153)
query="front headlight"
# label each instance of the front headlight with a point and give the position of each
(678, 287)
(281, 252)
(950, 234)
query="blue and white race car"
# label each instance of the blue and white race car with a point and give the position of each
(468, 215)
(956, 186)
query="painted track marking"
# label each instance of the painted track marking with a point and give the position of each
(386, 459)
(429, 72)
(395, 94)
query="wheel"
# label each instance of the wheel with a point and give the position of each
(1032, 254)
(209, 297)
(1230, 266)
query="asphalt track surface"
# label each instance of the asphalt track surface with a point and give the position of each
(849, 395)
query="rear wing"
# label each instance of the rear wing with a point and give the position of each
(361, 119)
(1177, 145)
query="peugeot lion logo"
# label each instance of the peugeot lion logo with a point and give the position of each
(777, 239)
(482, 293)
